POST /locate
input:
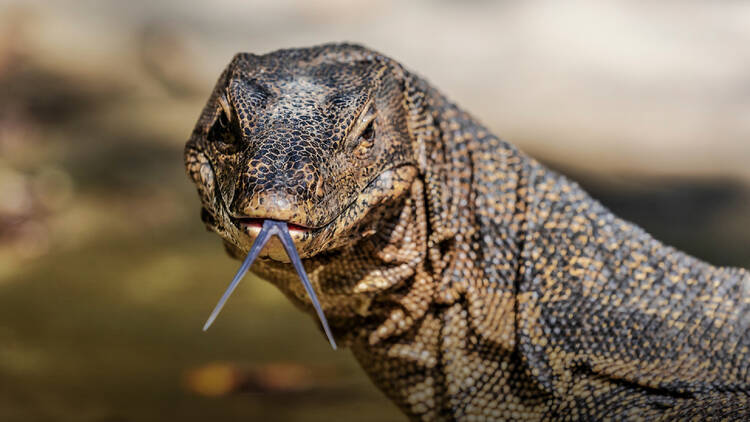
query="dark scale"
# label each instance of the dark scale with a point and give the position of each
(470, 282)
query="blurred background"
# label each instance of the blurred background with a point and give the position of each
(106, 272)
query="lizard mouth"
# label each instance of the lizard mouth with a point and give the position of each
(257, 223)
(274, 250)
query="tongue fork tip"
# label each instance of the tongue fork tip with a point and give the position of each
(288, 243)
(280, 229)
(260, 241)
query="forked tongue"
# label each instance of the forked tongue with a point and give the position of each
(280, 229)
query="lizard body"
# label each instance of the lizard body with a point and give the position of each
(470, 282)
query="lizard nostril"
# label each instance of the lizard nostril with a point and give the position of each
(275, 205)
(280, 202)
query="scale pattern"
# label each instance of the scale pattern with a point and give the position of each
(471, 282)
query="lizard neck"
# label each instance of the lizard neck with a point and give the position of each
(466, 330)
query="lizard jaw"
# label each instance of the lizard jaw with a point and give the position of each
(274, 250)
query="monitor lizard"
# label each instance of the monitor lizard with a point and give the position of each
(471, 282)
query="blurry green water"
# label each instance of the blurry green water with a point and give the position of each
(107, 331)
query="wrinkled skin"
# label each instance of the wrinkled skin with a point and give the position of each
(469, 281)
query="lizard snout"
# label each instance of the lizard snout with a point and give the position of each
(275, 205)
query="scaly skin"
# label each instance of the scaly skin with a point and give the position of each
(470, 282)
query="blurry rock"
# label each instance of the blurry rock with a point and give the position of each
(277, 378)
(212, 380)
(281, 377)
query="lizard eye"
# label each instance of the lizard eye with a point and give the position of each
(223, 133)
(362, 144)
(223, 120)
(369, 131)
(365, 140)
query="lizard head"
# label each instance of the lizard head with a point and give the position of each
(315, 137)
